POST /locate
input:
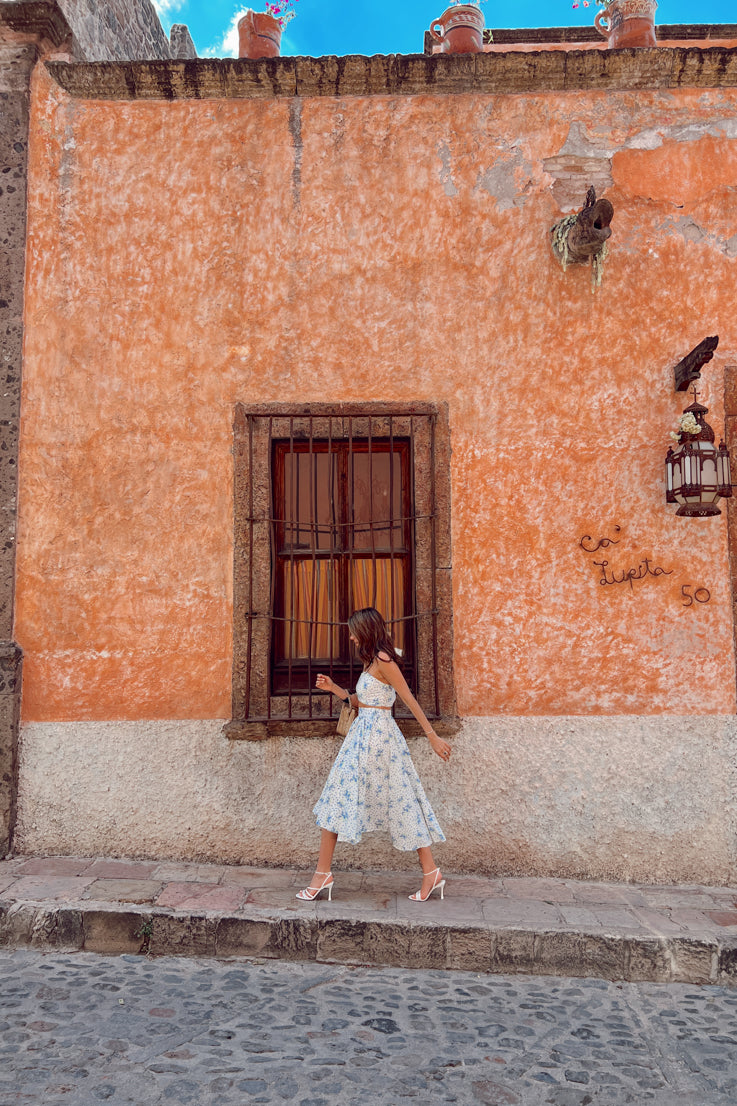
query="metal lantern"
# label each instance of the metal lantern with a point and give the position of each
(697, 474)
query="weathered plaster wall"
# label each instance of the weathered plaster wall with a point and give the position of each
(618, 798)
(185, 256)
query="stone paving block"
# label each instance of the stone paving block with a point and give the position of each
(276, 878)
(397, 883)
(7, 881)
(512, 950)
(114, 932)
(359, 906)
(386, 944)
(50, 888)
(579, 917)
(16, 923)
(58, 928)
(606, 894)
(577, 955)
(722, 918)
(55, 866)
(543, 890)
(342, 941)
(469, 949)
(124, 890)
(278, 898)
(122, 869)
(647, 958)
(184, 873)
(696, 920)
(243, 937)
(437, 910)
(201, 896)
(185, 935)
(617, 917)
(293, 938)
(693, 960)
(370, 882)
(680, 898)
(657, 922)
(727, 962)
(468, 888)
(522, 912)
(428, 947)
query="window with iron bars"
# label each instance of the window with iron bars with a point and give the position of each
(337, 507)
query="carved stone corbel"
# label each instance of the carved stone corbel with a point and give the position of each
(583, 236)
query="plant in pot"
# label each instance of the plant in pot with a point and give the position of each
(625, 23)
(461, 28)
(259, 33)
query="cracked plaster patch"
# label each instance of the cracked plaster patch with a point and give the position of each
(446, 173)
(501, 181)
(692, 231)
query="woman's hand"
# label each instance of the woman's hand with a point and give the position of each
(442, 748)
(324, 683)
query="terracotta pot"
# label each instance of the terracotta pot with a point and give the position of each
(461, 30)
(627, 23)
(259, 36)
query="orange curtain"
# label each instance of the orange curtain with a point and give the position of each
(372, 587)
(308, 591)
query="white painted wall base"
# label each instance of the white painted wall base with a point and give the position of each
(650, 799)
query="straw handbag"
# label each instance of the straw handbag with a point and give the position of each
(346, 718)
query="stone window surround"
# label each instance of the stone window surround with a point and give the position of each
(255, 427)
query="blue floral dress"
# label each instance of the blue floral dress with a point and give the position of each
(373, 784)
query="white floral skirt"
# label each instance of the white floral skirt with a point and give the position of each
(373, 785)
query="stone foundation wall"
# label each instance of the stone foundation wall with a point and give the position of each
(628, 798)
(16, 65)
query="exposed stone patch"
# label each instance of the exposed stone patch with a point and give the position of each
(502, 180)
(446, 173)
(692, 231)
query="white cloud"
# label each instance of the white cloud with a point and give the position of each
(165, 7)
(229, 45)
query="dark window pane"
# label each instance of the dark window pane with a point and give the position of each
(376, 481)
(309, 500)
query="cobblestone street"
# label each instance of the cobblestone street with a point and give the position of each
(83, 1029)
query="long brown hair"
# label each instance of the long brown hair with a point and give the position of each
(369, 628)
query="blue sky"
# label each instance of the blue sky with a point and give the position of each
(391, 27)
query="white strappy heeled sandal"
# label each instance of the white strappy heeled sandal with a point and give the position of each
(438, 885)
(311, 892)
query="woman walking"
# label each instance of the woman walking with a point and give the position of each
(373, 784)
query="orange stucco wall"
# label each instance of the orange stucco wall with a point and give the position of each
(186, 256)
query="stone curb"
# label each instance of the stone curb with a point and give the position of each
(115, 929)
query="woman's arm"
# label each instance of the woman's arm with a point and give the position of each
(389, 670)
(324, 683)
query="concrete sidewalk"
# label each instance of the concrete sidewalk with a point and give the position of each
(535, 926)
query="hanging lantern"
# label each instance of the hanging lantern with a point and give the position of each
(697, 474)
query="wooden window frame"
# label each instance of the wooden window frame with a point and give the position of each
(256, 713)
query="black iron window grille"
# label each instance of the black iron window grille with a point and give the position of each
(337, 508)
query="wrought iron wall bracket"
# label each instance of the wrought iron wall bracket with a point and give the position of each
(689, 368)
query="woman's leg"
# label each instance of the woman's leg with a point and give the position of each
(430, 875)
(324, 859)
